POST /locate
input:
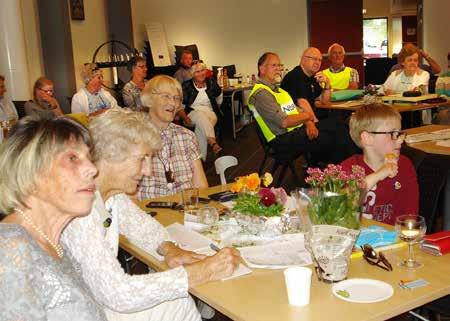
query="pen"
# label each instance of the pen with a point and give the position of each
(214, 247)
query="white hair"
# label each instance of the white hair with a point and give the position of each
(334, 45)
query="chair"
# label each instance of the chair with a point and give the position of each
(221, 164)
(20, 107)
(284, 160)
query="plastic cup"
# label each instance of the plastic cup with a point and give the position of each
(189, 198)
(298, 285)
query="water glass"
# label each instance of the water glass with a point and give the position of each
(209, 215)
(189, 198)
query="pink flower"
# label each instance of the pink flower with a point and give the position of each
(267, 197)
(280, 194)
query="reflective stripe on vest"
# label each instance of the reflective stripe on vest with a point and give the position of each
(339, 80)
(285, 102)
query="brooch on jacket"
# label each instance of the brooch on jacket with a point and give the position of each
(397, 185)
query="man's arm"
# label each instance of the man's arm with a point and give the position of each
(435, 68)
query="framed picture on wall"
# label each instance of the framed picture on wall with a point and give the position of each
(76, 9)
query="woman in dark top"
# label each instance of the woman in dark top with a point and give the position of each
(44, 102)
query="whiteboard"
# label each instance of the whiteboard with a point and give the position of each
(158, 44)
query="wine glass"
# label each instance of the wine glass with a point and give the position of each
(410, 229)
(209, 215)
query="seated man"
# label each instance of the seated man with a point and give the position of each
(280, 120)
(305, 83)
(341, 77)
(391, 181)
(183, 73)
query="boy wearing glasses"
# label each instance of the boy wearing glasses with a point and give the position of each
(391, 181)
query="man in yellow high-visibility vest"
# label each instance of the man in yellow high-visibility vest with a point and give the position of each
(281, 121)
(341, 76)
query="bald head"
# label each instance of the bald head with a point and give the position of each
(311, 60)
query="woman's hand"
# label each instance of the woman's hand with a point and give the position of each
(216, 267)
(175, 257)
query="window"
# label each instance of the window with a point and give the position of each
(375, 35)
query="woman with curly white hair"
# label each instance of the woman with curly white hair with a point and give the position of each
(124, 141)
(92, 99)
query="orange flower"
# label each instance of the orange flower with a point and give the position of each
(253, 181)
(238, 185)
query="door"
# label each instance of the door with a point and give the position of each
(338, 21)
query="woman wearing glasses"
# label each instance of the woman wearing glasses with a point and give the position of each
(131, 92)
(44, 103)
(92, 99)
(177, 165)
(202, 98)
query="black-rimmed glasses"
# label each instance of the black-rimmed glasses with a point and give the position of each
(395, 134)
(374, 258)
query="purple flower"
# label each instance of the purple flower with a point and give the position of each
(267, 197)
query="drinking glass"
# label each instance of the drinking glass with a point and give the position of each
(189, 197)
(410, 229)
(209, 215)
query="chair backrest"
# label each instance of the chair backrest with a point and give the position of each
(222, 163)
(20, 107)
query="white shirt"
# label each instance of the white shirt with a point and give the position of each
(7, 110)
(93, 249)
(398, 82)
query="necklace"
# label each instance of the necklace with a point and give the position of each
(58, 248)
(167, 172)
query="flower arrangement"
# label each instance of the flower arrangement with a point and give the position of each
(256, 200)
(336, 196)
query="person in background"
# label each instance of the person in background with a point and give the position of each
(341, 77)
(44, 102)
(177, 165)
(124, 142)
(410, 76)
(202, 98)
(183, 73)
(7, 109)
(391, 182)
(92, 99)
(432, 68)
(305, 83)
(131, 92)
(47, 181)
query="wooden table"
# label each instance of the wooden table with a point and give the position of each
(399, 107)
(261, 295)
(430, 146)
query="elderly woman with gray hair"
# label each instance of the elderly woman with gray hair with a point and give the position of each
(202, 98)
(92, 99)
(47, 180)
(124, 142)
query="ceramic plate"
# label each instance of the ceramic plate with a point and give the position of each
(362, 290)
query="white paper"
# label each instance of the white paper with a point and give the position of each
(158, 43)
(187, 239)
(423, 137)
(288, 250)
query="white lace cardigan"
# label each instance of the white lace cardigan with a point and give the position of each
(93, 249)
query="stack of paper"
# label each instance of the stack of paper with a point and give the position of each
(423, 137)
(192, 241)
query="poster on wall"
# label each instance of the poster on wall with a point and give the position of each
(77, 9)
(158, 43)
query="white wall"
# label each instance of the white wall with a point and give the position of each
(436, 30)
(87, 35)
(228, 32)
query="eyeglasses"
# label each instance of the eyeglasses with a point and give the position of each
(168, 97)
(141, 66)
(395, 134)
(315, 59)
(374, 258)
(48, 91)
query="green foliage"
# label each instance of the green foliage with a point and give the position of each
(248, 203)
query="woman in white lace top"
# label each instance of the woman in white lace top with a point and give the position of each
(47, 179)
(123, 143)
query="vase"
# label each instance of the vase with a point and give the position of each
(330, 208)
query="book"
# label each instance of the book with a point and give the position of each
(437, 243)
